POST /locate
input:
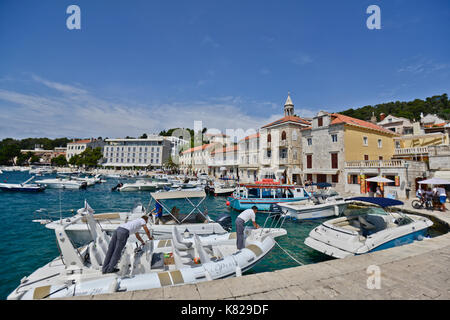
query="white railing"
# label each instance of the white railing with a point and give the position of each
(375, 164)
(413, 150)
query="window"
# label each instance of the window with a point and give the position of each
(334, 160)
(294, 135)
(283, 153)
(380, 143)
(309, 141)
(365, 141)
(269, 138)
(320, 122)
(380, 158)
(283, 135)
(397, 144)
(353, 179)
(309, 177)
(334, 137)
(269, 153)
(335, 178)
(366, 157)
(294, 155)
(309, 161)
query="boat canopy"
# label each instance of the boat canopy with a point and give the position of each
(382, 202)
(178, 195)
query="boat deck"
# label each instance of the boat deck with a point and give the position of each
(406, 273)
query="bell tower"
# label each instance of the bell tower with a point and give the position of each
(288, 106)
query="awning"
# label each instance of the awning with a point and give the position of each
(435, 181)
(442, 175)
(177, 195)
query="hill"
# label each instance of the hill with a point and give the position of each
(439, 105)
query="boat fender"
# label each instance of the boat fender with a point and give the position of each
(228, 203)
(238, 271)
(420, 237)
(113, 286)
(336, 210)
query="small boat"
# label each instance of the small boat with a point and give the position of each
(222, 188)
(156, 264)
(90, 181)
(314, 208)
(367, 229)
(22, 187)
(138, 186)
(59, 183)
(264, 193)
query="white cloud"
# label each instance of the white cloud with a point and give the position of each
(301, 59)
(75, 112)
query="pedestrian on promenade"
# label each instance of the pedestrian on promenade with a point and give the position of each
(119, 240)
(440, 191)
(241, 219)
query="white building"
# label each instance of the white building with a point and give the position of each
(77, 147)
(177, 145)
(249, 158)
(149, 152)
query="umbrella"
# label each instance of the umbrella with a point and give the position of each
(379, 179)
(434, 181)
(223, 169)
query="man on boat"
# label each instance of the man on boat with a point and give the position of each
(241, 219)
(119, 240)
(158, 213)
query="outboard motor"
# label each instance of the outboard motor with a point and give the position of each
(275, 210)
(118, 186)
(225, 221)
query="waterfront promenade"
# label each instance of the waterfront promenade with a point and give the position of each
(420, 270)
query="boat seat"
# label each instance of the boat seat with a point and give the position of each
(157, 261)
(204, 257)
(178, 242)
(179, 260)
(365, 224)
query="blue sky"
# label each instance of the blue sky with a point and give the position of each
(142, 66)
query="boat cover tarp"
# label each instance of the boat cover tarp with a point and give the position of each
(178, 195)
(382, 202)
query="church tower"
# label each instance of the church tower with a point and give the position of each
(288, 107)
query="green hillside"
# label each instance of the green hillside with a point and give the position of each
(439, 105)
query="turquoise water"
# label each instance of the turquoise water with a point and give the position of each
(26, 246)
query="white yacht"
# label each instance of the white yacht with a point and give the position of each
(59, 183)
(367, 229)
(139, 185)
(314, 208)
(158, 263)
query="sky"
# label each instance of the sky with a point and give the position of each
(140, 66)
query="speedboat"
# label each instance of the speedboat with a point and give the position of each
(367, 229)
(23, 187)
(156, 264)
(59, 183)
(223, 188)
(138, 186)
(265, 193)
(90, 181)
(314, 208)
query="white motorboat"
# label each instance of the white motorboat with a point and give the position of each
(139, 185)
(22, 187)
(42, 170)
(90, 181)
(367, 229)
(314, 208)
(59, 183)
(158, 263)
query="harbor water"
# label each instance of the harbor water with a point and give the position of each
(26, 245)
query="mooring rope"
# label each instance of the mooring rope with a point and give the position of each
(285, 251)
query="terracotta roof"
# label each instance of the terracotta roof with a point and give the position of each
(81, 141)
(340, 118)
(202, 147)
(252, 136)
(288, 119)
(226, 149)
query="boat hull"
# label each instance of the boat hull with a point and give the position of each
(263, 204)
(315, 211)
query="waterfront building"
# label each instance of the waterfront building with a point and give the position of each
(281, 147)
(177, 145)
(152, 152)
(195, 160)
(78, 146)
(248, 156)
(45, 156)
(223, 161)
(333, 142)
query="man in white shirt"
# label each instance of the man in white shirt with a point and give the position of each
(241, 219)
(119, 240)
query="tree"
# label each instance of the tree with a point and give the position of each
(34, 159)
(144, 136)
(59, 161)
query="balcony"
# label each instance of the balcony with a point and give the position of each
(375, 164)
(411, 151)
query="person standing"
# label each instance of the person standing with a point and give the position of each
(158, 213)
(241, 219)
(440, 191)
(119, 240)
